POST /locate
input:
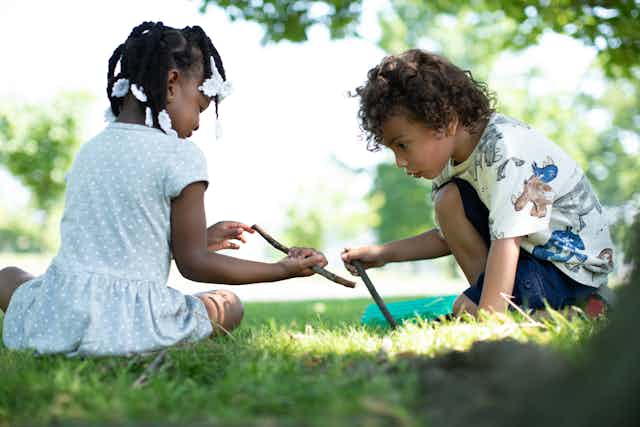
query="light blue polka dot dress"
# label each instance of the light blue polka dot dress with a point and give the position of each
(105, 292)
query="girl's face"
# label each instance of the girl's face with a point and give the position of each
(185, 101)
(421, 151)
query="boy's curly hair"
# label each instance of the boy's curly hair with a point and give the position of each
(428, 87)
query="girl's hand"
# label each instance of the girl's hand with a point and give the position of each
(369, 256)
(300, 260)
(221, 234)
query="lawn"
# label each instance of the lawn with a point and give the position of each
(298, 363)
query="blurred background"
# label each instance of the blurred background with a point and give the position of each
(292, 157)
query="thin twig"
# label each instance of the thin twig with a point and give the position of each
(376, 297)
(532, 321)
(316, 268)
(151, 369)
(215, 325)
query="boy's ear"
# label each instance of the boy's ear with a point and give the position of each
(452, 127)
(172, 84)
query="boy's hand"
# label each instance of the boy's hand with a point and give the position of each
(221, 234)
(369, 256)
(300, 260)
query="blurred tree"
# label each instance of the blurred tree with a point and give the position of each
(402, 204)
(291, 19)
(327, 213)
(37, 145)
(305, 227)
(19, 235)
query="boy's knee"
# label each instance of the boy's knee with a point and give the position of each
(224, 308)
(446, 200)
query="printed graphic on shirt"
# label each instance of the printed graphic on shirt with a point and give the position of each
(492, 234)
(563, 246)
(501, 175)
(578, 202)
(537, 190)
(489, 150)
(605, 255)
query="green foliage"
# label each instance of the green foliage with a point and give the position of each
(37, 145)
(402, 204)
(612, 27)
(291, 19)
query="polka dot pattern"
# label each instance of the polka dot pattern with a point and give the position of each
(106, 292)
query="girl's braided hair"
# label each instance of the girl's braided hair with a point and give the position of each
(427, 87)
(148, 54)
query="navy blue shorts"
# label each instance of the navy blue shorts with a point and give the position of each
(536, 280)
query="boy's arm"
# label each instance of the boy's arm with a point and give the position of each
(195, 262)
(427, 245)
(500, 273)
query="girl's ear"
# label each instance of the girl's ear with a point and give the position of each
(172, 85)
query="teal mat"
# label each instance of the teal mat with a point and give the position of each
(428, 308)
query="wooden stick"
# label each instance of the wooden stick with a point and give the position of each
(316, 268)
(151, 369)
(376, 297)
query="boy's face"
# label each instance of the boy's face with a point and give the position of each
(421, 151)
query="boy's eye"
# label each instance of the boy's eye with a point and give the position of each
(402, 146)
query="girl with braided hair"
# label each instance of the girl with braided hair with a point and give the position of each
(134, 199)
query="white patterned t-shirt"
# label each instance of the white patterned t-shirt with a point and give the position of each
(533, 189)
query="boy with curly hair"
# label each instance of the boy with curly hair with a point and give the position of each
(516, 212)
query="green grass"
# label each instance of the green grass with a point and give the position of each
(298, 363)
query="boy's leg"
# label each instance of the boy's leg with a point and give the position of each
(467, 245)
(10, 279)
(464, 223)
(224, 308)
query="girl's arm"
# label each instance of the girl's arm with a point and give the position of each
(195, 262)
(500, 273)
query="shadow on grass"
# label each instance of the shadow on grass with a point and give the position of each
(302, 363)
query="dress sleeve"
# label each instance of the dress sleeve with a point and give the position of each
(185, 165)
(521, 193)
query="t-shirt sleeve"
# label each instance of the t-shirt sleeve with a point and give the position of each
(185, 165)
(520, 190)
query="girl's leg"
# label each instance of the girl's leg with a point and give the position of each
(224, 308)
(10, 279)
(468, 246)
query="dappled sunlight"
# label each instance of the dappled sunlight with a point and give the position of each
(287, 358)
(419, 338)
